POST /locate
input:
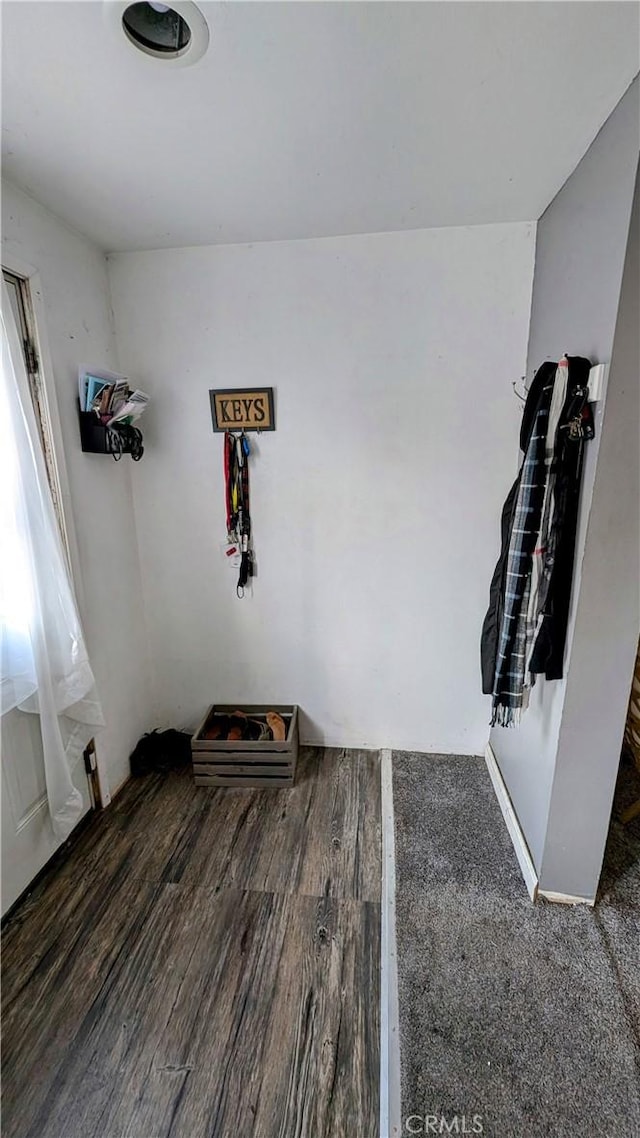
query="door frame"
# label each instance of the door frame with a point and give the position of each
(36, 315)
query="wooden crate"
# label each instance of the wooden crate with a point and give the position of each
(245, 762)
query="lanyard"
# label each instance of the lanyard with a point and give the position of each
(236, 481)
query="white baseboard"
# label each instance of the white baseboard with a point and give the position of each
(565, 898)
(513, 826)
(103, 778)
(390, 1109)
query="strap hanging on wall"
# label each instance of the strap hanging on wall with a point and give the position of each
(238, 508)
(235, 412)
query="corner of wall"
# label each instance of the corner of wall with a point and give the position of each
(150, 680)
(529, 362)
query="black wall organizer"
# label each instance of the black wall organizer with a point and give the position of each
(116, 440)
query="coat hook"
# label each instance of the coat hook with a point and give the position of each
(522, 380)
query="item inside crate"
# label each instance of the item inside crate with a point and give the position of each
(259, 727)
(254, 745)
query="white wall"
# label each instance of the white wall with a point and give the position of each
(550, 768)
(376, 502)
(79, 330)
(607, 620)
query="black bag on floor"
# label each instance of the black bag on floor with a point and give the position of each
(161, 751)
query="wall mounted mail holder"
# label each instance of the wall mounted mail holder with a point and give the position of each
(116, 440)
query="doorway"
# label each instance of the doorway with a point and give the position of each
(28, 841)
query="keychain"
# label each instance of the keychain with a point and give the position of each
(236, 471)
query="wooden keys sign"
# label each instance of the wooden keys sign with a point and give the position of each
(243, 409)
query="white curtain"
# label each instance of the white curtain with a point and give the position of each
(44, 667)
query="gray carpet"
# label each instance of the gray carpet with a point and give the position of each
(528, 1016)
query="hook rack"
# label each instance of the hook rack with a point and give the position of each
(514, 384)
(522, 395)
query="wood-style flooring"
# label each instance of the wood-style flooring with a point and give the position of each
(205, 964)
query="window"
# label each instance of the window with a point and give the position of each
(18, 289)
(16, 595)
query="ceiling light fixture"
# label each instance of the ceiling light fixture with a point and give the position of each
(176, 32)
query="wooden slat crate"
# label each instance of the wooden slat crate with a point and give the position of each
(246, 762)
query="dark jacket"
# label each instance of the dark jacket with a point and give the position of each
(548, 653)
(493, 619)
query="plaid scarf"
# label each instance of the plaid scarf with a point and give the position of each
(515, 628)
(544, 553)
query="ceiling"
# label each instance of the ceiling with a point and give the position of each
(308, 119)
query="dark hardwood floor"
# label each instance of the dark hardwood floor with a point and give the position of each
(204, 965)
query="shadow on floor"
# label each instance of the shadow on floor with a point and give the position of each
(622, 855)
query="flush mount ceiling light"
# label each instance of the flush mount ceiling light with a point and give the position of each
(176, 33)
